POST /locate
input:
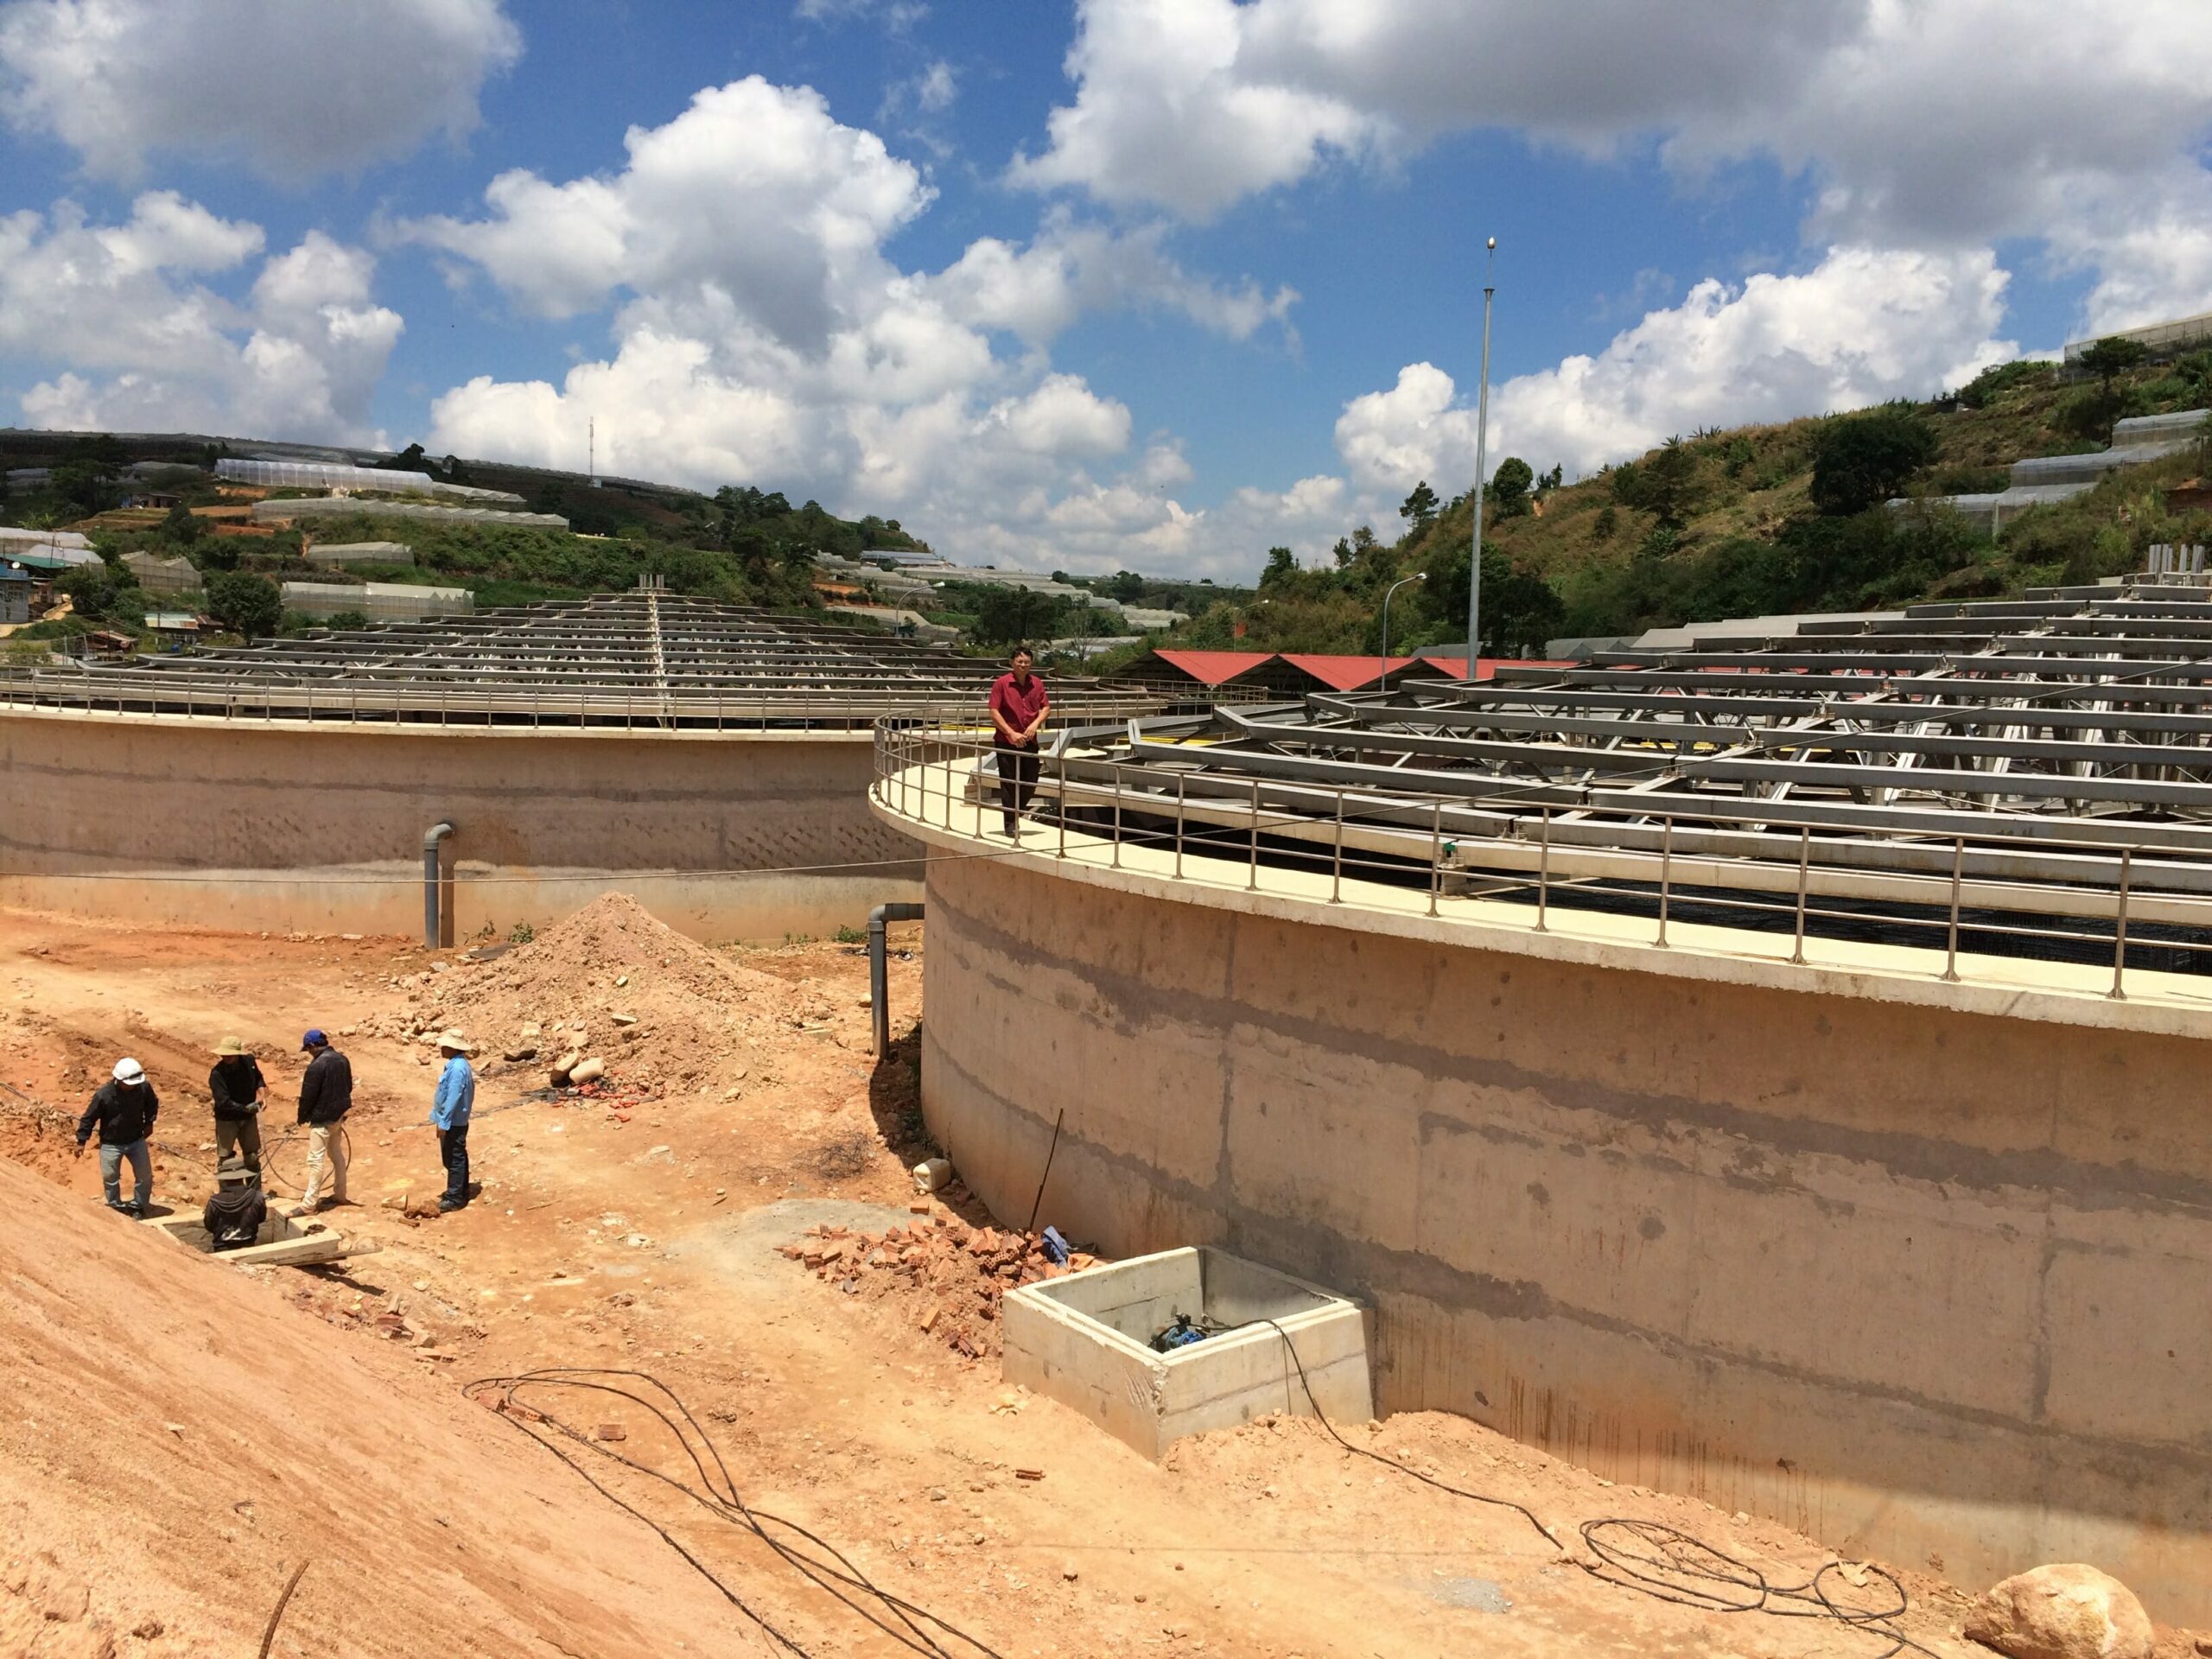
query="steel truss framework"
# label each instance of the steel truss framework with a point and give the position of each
(2050, 756)
(630, 659)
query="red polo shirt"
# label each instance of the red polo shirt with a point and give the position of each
(1018, 704)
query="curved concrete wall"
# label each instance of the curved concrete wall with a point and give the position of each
(272, 826)
(1926, 1282)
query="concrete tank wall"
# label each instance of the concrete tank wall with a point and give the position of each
(1930, 1284)
(248, 825)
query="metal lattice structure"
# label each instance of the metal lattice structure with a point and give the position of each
(635, 659)
(2049, 757)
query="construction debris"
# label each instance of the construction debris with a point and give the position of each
(953, 1275)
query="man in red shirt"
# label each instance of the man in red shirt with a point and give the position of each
(1018, 708)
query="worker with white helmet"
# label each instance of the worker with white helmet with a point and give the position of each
(123, 1111)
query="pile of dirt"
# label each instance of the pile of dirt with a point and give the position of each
(952, 1276)
(610, 982)
(177, 1438)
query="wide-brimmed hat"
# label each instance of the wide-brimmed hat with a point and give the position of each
(230, 1049)
(232, 1168)
(455, 1040)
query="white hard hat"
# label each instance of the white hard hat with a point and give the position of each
(128, 1071)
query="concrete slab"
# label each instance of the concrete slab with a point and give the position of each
(1085, 1340)
(285, 1240)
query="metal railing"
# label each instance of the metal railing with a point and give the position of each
(1811, 881)
(645, 707)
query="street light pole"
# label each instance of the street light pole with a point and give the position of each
(1482, 476)
(1384, 683)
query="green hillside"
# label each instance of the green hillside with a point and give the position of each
(741, 544)
(1720, 524)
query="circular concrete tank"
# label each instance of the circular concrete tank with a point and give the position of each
(283, 824)
(1916, 1267)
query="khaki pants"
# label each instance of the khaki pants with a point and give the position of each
(243, 1137)
(325, 1146)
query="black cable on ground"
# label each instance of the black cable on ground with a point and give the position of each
(268, 1154)
(1670, 1565)
(1322, 1417)
(717, 1492)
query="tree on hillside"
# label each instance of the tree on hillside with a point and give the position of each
(1282, 565)
(97, 592)
(1520, 610)
(1419, 508)
(2092, 414)
(182, 524)
(2112, 357)
(1664, 483)
(249, 606)
(1006, 616)
(1509, 486)
(1861, 460)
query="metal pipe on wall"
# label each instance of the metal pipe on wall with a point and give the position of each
(437, 923)
(879, 968)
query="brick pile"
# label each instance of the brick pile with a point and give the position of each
(951, 1277)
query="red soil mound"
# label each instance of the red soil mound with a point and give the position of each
(176, 1437)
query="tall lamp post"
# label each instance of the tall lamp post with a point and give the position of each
(1482, 476)
(1384, 683)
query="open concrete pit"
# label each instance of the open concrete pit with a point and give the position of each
(1231, 1327)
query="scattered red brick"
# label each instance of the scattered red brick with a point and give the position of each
(955, 1274)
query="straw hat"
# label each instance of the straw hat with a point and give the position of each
(229, 1048)
(453, 1039)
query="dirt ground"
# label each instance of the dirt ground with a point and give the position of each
(640, 1228)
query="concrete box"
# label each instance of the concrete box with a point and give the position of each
(1085, 1341)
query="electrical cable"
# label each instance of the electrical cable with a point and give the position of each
(717, 1492)
(1667, 1563)
(1322, 1417)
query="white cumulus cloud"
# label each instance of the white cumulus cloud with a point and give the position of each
(1932, 125)
(1859, 328)
(290, 90)
(762, 333)
(140, 339)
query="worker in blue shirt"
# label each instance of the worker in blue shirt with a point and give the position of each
(456, 1098)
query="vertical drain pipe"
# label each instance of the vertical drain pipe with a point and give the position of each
(879, 968)
(433, 932)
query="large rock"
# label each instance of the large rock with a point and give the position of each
(2066, 1610)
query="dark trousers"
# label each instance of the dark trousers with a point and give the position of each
(453, 1152)
(1017, 780)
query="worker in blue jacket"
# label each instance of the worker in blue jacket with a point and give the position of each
(450, 1112)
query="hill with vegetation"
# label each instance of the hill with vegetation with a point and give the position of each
(741, 544)
(1751, 521)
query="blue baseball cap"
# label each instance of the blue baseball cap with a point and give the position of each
(314, 1039)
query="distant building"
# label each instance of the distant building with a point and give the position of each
(332, 475)
(2173, 338)
(157, 574)
(172, 630)
(46, 550)
(341, 506)
(15, 596)
(336, 554)
(379, 601)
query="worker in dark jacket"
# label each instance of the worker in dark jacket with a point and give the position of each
(233, 1216)
(236, 1085)
(325, 1096)
(123, 1111)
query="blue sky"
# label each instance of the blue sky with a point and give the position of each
(1148, 282)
